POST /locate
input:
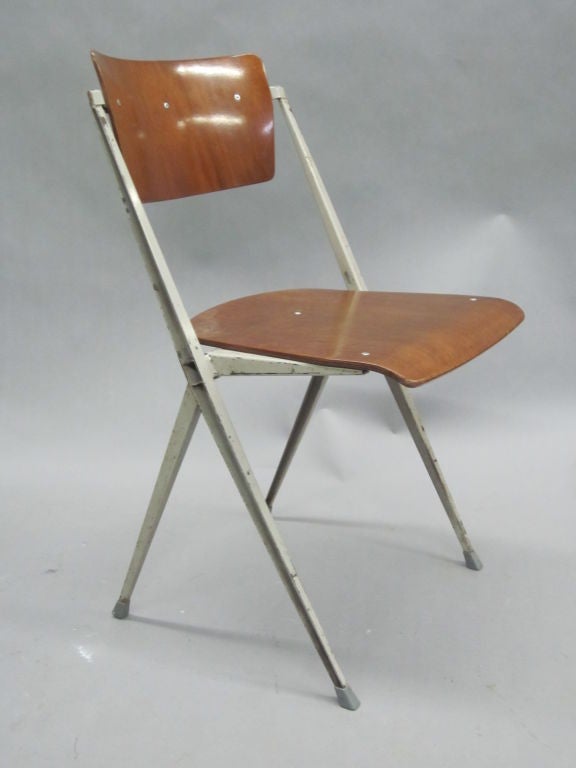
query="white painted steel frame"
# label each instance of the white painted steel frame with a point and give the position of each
(230, 363)
(184, 427)
(315, 389)
(202, 396)
(338, 240)
(354, 281)
(200, 375)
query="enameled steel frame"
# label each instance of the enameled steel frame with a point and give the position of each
(201, 369)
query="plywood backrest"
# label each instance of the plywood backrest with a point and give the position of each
(190, 127)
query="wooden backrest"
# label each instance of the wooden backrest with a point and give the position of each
(192, 126)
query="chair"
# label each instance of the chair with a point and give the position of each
(180, 128)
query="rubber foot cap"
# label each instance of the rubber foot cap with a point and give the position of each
(472, 561)
(121, 609)
(347, 698)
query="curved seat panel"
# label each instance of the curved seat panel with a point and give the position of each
(412, 337)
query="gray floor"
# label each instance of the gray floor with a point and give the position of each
(213, 668)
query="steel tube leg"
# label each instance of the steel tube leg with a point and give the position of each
(219, 423)
(181, 434)
(313, 392)
(416, 428)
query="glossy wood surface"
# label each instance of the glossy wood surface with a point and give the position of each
(411, 337)
(190, 127)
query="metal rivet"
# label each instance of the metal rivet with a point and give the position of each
(473, 299)
(297, 313)
(365, 354)
(237, 97)
(166, 105)
(118, 102)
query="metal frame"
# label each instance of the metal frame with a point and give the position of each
(202, 396)
(231, 363)
(354, 281)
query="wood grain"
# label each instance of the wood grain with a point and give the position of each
(192, 126)
(411, 337)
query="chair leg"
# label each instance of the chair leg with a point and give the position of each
(416, 429)
(311, 397)
(218, 421)
(181, 434)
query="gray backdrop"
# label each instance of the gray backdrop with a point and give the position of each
(445, 133)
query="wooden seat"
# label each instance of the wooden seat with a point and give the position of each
(412, 337)
(174, 129)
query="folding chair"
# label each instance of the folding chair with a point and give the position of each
(179, 128)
